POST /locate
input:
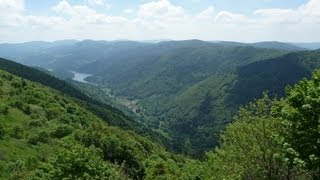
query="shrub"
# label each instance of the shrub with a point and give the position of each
(61, 131)
(41, 137)
(17, 132)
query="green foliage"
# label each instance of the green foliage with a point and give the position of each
(183, 91)
(272, 139)
(190, 93)
(74, 161)
(61, 131)
(17, 132)
(56, 137)
(161, 168)
(249, 148)
(33, 96)
(45, 134)
(2, 131)
(302, 125)
(4, 109)
(41, 137)
(186, 91)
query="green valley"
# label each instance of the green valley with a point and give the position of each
(159, 90)
(49, 135)
(46, 134)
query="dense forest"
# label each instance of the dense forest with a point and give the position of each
(180, 93)
(159, 90)
(167, 110)
(47, 134)
(100, 108)
(157, 79)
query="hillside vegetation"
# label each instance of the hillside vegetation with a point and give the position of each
(185, 91)
(191, 94)
(47, 135)
(181, 93)
(101, 109)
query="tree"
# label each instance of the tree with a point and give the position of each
(36, 138)
(61, 131)
(161, 168)
(17, 132)
(250, 149)
(74, 161)
(302, 124)
(4, 109)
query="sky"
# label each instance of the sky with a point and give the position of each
(229, 20)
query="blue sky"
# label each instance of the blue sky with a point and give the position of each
(117, 6)
(242, 20)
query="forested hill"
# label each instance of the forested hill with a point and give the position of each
(45, 134)
(71, 55)
(273, 75)
(105, 111)
(266, 44)
(190, 94)
(183, 92)
(187, 91)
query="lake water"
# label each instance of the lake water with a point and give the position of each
(80, 77)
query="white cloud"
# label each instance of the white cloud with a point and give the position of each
(10, 11)
(225, 17)
(306, 13)
(160, 10)
(103, 3)
(282, 16)
(207, 14)
(158, 19)
(312, 8)
(11, 6)
(83, 15)
(128, 11)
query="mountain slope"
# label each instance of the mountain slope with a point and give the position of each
(178, 88)
(190, 94)
(45, 134)
(274, 74)
(63, 56)
(163, 87)
(206, 107)
(311, 46)
(113, 116)
(266, 44)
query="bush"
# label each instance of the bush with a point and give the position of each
(4, 109)
(61, 131)
(77, 162)
(17, 132)
(36, 123)
(41, 137)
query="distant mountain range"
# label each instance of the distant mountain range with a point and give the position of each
(266, 44)
(274, 45)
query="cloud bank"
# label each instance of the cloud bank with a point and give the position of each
(158, 19)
